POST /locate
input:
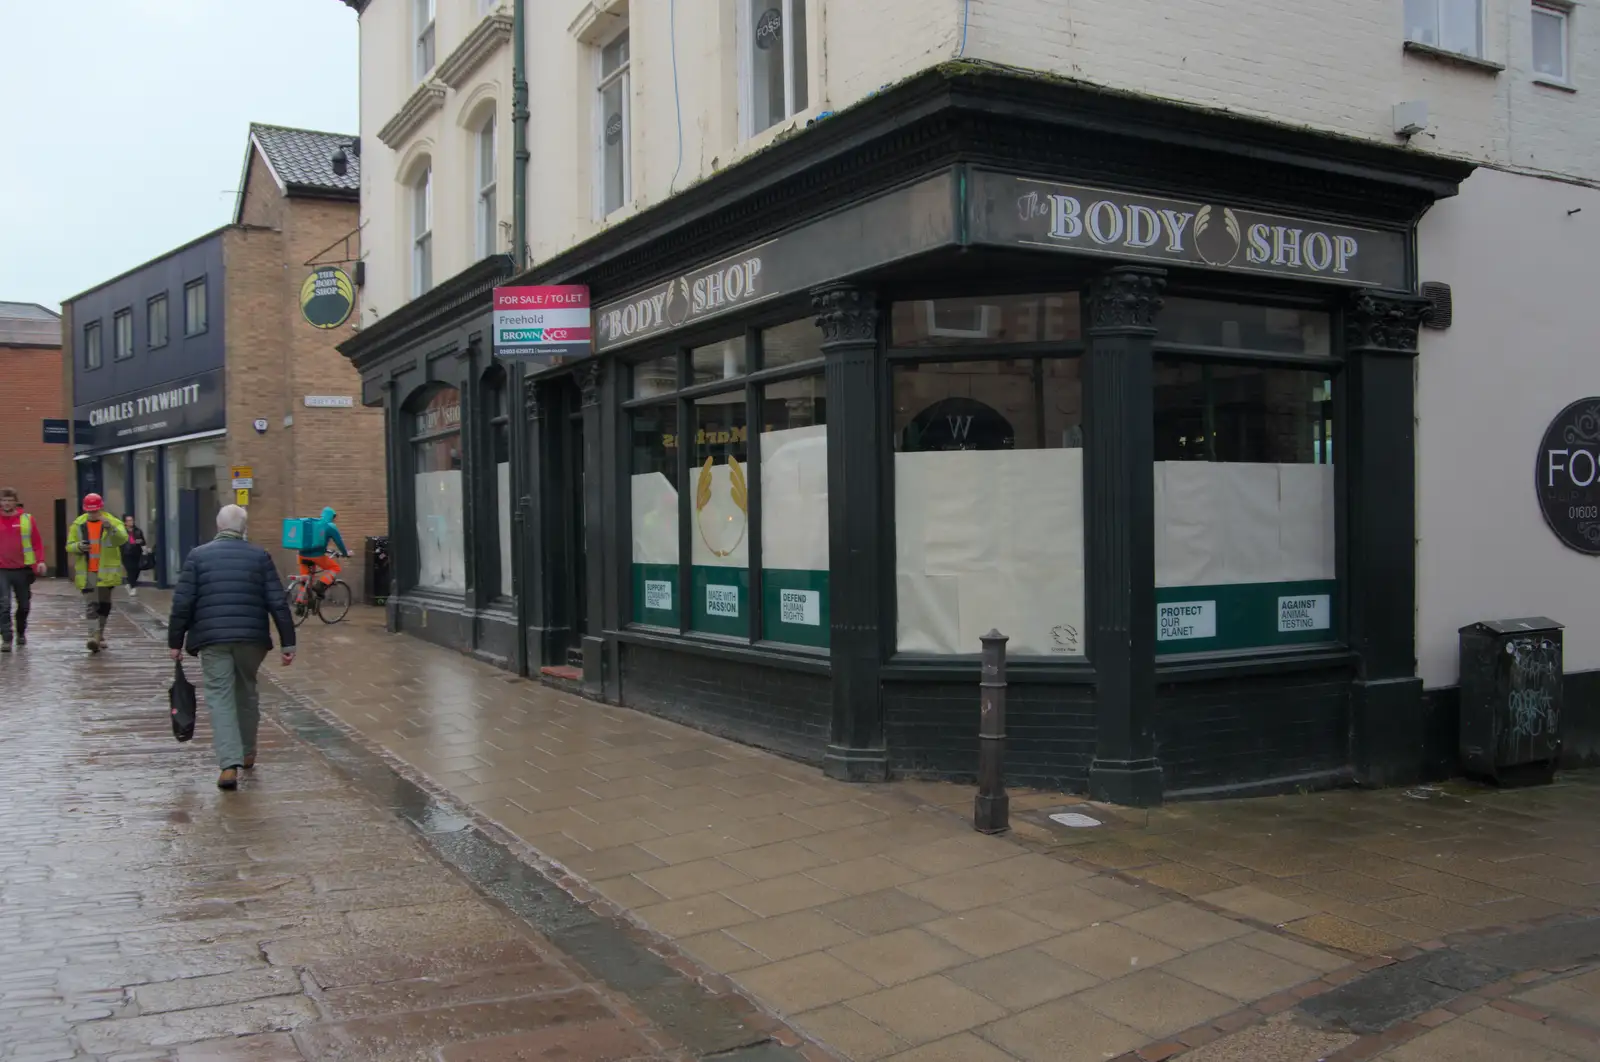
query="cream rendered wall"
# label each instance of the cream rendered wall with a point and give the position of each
(447, 139)
(1522, 346)
(1336, 65)
(854, 48)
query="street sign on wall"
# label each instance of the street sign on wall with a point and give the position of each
(544, 325)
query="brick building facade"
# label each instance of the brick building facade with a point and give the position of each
(240, 367)
(30, 363)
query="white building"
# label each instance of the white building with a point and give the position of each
(1333, 496)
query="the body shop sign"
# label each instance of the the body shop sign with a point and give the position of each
(1011, 210)
(544, 325)
(1567, 476)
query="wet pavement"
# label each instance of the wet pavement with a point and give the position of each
(328, 909)
(875, 921)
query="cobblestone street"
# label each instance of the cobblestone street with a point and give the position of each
(311, 915)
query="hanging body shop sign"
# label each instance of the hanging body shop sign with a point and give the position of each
(543, 325)
(327, 297)
(1008, 210)
(1567, 476)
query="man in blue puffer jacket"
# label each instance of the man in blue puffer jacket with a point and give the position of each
(227, 590)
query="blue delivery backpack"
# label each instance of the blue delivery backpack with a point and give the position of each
(300, 533)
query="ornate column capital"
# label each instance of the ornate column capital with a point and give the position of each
(588, 376)
(1383, 320)
(846, 314)
(1126, 299)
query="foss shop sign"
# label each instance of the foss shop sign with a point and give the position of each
(542, 325)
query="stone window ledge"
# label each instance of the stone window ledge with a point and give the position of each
(485, 39)
(1461, 59)
(428, 98)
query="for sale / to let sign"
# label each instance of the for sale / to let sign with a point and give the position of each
(545, 325)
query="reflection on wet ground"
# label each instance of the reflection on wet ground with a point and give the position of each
(327, 910)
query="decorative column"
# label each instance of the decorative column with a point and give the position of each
(848, 317)
(590, 379)
(472, 477)
(1379, 471)
(396, 443)
(527, 527)
(1119, 526)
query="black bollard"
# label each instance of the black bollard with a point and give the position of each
(991, 809)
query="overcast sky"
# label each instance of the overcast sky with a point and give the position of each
(123, 123)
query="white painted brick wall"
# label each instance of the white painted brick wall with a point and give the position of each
(1335, 65)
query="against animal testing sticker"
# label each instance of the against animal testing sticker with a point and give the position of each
(1312, 612)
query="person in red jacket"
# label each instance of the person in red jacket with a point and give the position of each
(21, 560)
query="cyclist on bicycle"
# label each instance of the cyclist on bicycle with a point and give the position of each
(315, 564)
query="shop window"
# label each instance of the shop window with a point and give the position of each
(719, 494)
(1551, 26)
(157, 314)
(1244, 506)
(794, 512)
(437, 490)
(194, 307)
(500, 449)
(654, 485)
(91, 345)
(1243, 326)
(718, 361)
(145, 503)
(614, 88)
(1053, 318)
(1452, 25)
(196, 473)
(772, 67)
(791, 344)
(122, 328)
(656, 377)
(114, 483)
(736, 494)
(989, 505)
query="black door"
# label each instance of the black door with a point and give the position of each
(188, 524)
(577, 589)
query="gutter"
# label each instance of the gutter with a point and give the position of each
(519, 135)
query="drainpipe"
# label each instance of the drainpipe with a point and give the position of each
(519, 134)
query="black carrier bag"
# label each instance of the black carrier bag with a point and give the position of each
(181, 695)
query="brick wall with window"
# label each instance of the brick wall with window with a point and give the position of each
(27, 463)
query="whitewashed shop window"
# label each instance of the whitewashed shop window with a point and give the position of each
(1033, 318)
(486, 210)
(422, 233)
(794, 511)
(615, 129)
(988, 494)
(436, 491)
(772, 62)
(422, 13)
(1450, 25)
(1244, 506)
(653, 430)
(719, 509)
(1551, 43)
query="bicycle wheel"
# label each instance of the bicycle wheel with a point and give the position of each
(299, 608)
(335, 602)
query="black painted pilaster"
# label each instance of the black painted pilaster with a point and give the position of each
(527, 520)
(1119, 531)
(590, 385)
(1386, 720)
(848, 318)
(472, 478)
(394, 442)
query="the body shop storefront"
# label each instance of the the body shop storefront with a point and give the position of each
(159, 454)
(988, 352)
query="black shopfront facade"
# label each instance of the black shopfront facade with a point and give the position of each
(1131, 383)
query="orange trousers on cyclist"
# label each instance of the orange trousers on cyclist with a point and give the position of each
(326, 565)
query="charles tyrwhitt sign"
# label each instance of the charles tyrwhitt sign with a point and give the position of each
(184, 406)
(1008, 210)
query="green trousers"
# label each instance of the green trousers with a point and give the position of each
(229, 672)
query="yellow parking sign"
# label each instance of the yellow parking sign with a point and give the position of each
(241, 496)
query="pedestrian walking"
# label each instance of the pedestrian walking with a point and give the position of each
(133, 553)
(21, 550)
(220, 609)
(95, 540)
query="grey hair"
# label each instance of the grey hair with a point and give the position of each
(232, 518)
